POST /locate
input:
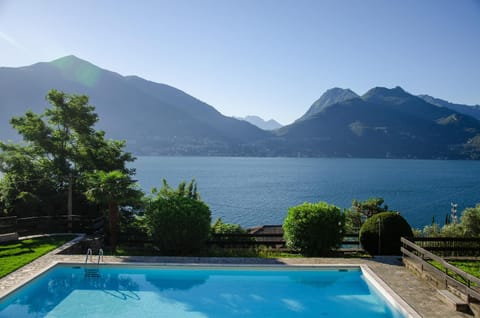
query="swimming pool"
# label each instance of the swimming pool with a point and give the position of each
(105, 291)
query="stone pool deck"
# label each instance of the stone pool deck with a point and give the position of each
(417, 293)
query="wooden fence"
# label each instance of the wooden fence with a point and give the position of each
(246, 240)
(451, 277)
(450, 246)
(275, 240)
(51, 224)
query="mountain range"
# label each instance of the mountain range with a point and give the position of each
(270, 124)
(157, 119)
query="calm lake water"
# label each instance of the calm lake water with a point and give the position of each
(255, 191)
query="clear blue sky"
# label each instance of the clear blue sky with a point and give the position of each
(271, 58)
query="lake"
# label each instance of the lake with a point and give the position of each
(256, 191)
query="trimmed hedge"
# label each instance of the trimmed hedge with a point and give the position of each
(314, 229)
(388, 227)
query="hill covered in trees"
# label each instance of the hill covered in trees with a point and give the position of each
(157, 119)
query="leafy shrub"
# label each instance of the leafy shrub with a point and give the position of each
(219, 227)
(417, 232)
(177, 220)
(314, 229)
(369, 207)
(453, 230)
(433, 230)
(360, 211)
(353, 220)
(387, 227)
(228, 232)
(470, 221)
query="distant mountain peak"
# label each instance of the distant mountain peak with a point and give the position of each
(72, 61)
(270, 124)
(471, 110)
(79, 70)
(68, 57)
(331, 96)
(380, 90)
(394, 95)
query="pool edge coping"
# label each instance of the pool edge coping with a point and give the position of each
(387, 292)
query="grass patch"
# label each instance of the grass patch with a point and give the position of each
(470, 266)
(14, 255)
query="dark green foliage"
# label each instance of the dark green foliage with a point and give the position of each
(353, 221)
(448, 219)
(470, 221)
(177, 220)
(113, 189)
(314, 229)
(60, 147)
(369, 207)
(361, 210)
(227, 231)
(388, 227)
(226, 228)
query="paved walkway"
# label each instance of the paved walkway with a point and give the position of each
(421, 296)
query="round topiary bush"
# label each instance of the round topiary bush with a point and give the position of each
(314, 229)
(381, 233)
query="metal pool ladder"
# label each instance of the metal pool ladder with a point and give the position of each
(93, 272)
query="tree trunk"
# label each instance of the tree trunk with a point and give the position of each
(113, 223)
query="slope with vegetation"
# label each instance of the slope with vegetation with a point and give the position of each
(385, 123)
(154, 118)
(158, 119)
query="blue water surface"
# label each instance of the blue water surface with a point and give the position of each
(256, 191)
(179, 292)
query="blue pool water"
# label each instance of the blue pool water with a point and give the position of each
(201, 292)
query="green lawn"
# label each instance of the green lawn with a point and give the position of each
(14, 255)
(469, 266)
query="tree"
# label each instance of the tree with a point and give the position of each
(177, 219)
(353, 220)
(314, 229)
(60, 147)
(470, 221)
(369, 207)
(219, 227)
(113, 188)
(362, 210)
(453, 230)
(433, 230)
